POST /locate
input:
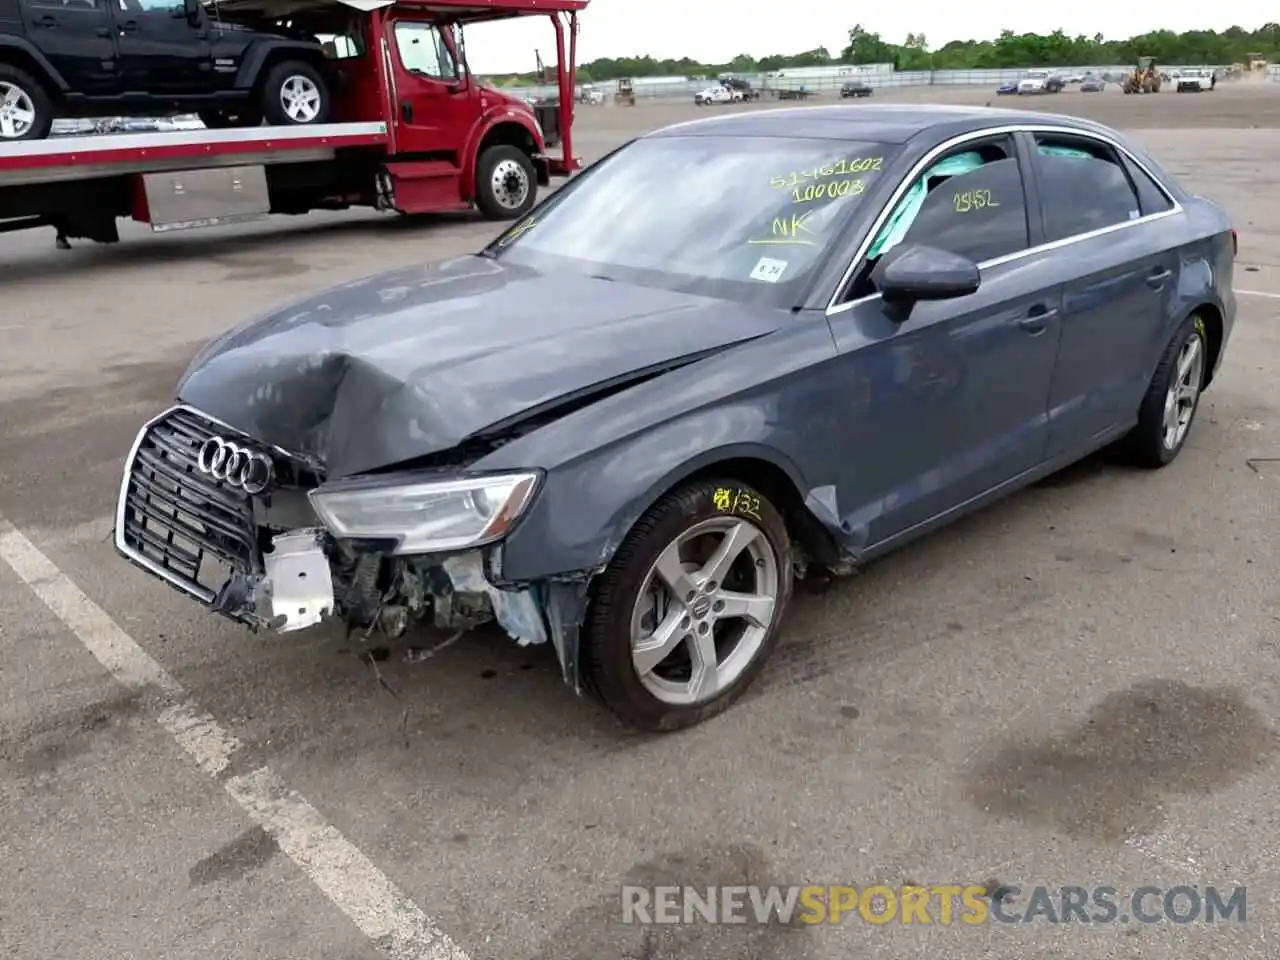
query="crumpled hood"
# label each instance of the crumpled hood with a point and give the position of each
(408, 363)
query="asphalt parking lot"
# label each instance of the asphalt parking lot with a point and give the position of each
(1077, 687)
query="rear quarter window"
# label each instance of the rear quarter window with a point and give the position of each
(1150, 196)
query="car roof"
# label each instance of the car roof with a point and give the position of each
(883, 123)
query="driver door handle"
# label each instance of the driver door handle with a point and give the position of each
(1038, 318)
(46, 21)
(129, 26)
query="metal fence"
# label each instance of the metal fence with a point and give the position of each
(907, 78)
(819, 85)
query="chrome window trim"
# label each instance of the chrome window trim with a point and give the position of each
(924, 162)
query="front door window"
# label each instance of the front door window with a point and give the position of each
(423, 52)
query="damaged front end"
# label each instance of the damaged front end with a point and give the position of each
(257, 535)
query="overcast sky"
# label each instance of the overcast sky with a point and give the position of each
(716, 30)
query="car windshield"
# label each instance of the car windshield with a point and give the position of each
(730, 217)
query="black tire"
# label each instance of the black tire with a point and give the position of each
(608, 669)
(272, 103)
(503, 201)
(1145, 445)
(40, 103)
(230, 118)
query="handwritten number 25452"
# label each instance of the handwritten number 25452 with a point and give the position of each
(967, 200)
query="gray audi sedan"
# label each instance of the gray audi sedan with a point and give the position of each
(732, 353)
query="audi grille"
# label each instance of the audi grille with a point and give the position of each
(173, 517)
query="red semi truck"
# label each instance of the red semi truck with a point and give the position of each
(399, 137)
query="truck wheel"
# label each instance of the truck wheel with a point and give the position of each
(689, 609)
(506, 183)
(294, 93)
(26, 112)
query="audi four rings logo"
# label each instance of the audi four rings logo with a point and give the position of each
(236, 466)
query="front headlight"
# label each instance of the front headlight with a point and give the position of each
(426, 517)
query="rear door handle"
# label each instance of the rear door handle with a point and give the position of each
(129, 26)
(45, 22)
(103, 32)
(1038, 318)
(1158, 276)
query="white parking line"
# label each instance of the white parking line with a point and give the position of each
(384, 914)
(1259, 293)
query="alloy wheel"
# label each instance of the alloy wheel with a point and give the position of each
(704, 610)
(1184, 392)
(17, 111)
(300, 98)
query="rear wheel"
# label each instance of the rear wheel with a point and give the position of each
(689, 609)
(1171, 401)
(26, 112)
(295, 94)
(506, 183)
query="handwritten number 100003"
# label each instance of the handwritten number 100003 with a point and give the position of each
(830, 190)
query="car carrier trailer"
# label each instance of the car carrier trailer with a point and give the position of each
(402, 140)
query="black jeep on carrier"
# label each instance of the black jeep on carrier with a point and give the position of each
(96, 58)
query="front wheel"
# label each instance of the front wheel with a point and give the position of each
(1171, 401)
(295, 94)
(26, 113)
(506, 183)
(689, 609)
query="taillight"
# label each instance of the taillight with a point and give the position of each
(1235, 244)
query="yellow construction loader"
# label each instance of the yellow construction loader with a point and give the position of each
(625, 94)
(1144, 79)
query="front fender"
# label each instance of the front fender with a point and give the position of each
(778, 398)
(582, 514)
(251, 66)
(494, 117)
(47, 69)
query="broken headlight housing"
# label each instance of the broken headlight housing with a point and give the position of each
(430, 516)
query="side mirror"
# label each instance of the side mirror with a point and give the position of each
(913, 273)
(191, 10)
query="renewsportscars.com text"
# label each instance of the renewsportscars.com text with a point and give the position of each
(941, 904)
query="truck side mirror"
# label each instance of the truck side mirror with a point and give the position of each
(191, 10)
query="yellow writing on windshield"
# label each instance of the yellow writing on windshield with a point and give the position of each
(969, 200)
(828, 190)
(518, 232)
(789, 230)
(836, 168)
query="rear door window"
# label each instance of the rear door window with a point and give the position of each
(1084, 186)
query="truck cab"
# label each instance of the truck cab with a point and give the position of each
(454, 141)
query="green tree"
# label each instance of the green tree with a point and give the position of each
(1009, 49)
